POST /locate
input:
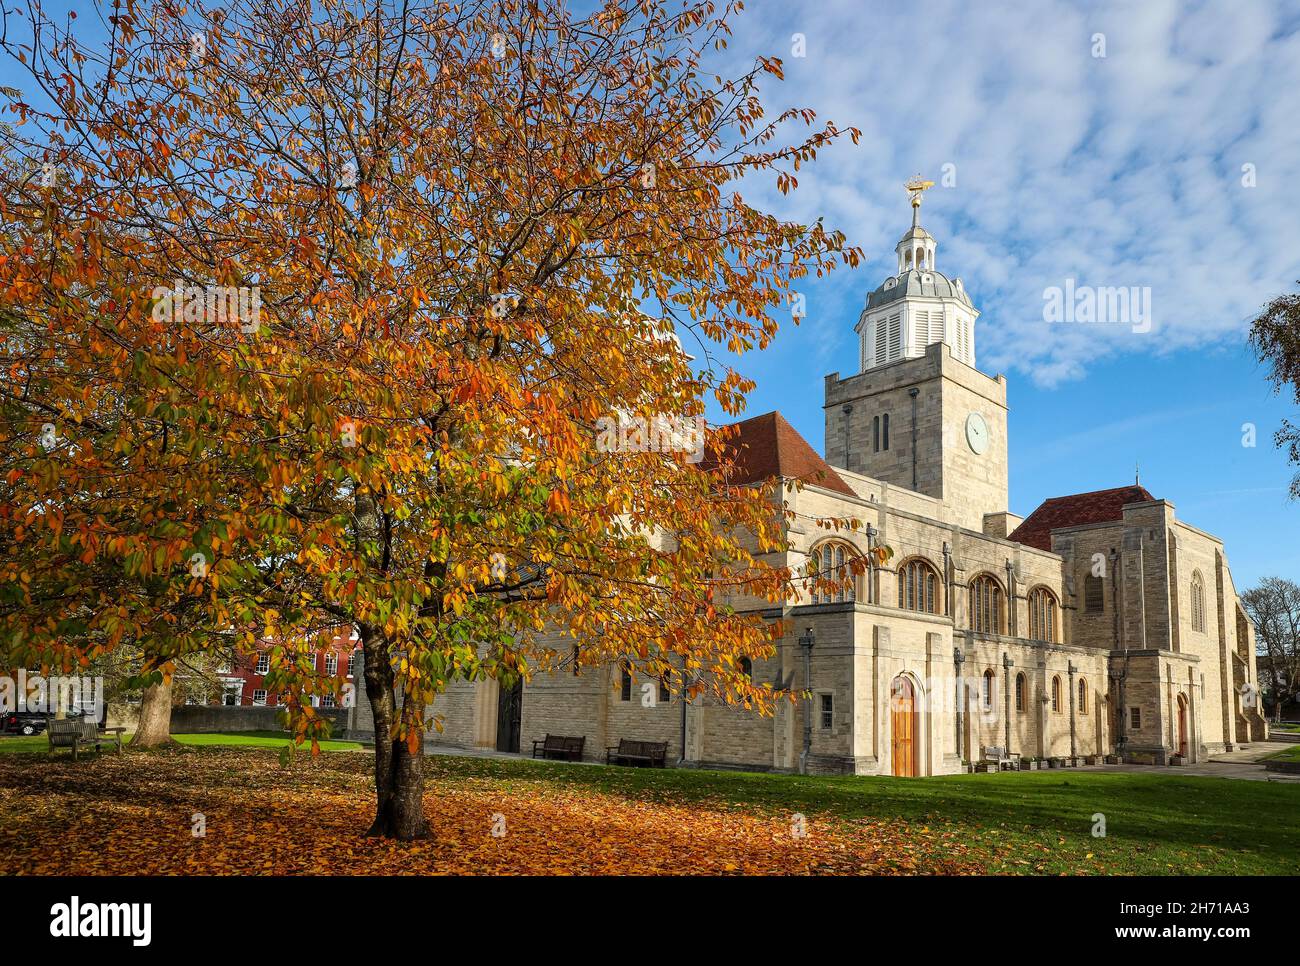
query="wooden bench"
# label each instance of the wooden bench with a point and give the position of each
(997, 755)
(74, 733)
(562, 747)
(646, 754)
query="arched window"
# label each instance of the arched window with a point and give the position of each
(918, 587)
(1020, 691)
(1042, 615)
(832, 573)
(986, 605)
(1056, 694)
(1198, 602)
(1083, 696)
(986, 695)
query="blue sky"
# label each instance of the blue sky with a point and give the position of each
(1122, 170)
(1116, 170)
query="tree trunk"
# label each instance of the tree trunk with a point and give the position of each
(399, 773)
(155, 725)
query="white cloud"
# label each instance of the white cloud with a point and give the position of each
(1122, 171)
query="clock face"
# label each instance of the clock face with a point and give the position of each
(977, 433)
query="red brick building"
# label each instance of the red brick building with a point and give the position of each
(244, 684)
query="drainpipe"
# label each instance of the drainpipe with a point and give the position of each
(682, 760)
(848, 411)
(1142, 589)
(947, 579)
(958, 659)
(1114, 600)
(1007, 665)
(872, 533)
(1013, 621)
(806, 644)
(914, 392)
(1070, 669)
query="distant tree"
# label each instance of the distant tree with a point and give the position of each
(1274, 607)
(1275, 337)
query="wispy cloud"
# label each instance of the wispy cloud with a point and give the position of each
(1122, 170)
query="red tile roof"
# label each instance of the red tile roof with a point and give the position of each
(1099, 506)
(765, 447)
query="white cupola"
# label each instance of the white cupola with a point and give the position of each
(917, 307)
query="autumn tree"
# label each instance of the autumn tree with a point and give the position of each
(341, 313)
(1275, 337)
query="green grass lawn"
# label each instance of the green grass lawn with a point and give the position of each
(1287, 754)
(1041, 821)
(244, 739)
(1287, 726)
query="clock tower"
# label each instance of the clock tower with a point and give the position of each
(918, 414)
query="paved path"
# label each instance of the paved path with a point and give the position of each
(1244, 763)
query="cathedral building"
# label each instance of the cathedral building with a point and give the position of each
(1100, 626)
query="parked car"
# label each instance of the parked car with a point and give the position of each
(22, 723)
(27, 722)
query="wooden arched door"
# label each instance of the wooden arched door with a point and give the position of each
(1182, 726)
(902, 702)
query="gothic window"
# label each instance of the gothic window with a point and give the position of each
(875, 434)
(832, 563)
(986, 694)
(1198, 602)
(1083, 696)
(884, 436)
(624, 684)
(918, 587)
(664, 694)
(1020, 691)
(1056, 694)
(1094, 596)
(986, 605)
(1042, 615)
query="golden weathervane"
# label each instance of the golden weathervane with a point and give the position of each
(915, 187)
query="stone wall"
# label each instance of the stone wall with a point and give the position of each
(211, 718)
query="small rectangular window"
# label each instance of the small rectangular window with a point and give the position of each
(331, 664)
(1094, 597)
(664, 694)
(625, 684)
(1135, 718)
(827, 711)
(352, 663)
(263, 663)
(259, 696)
(327, 701)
